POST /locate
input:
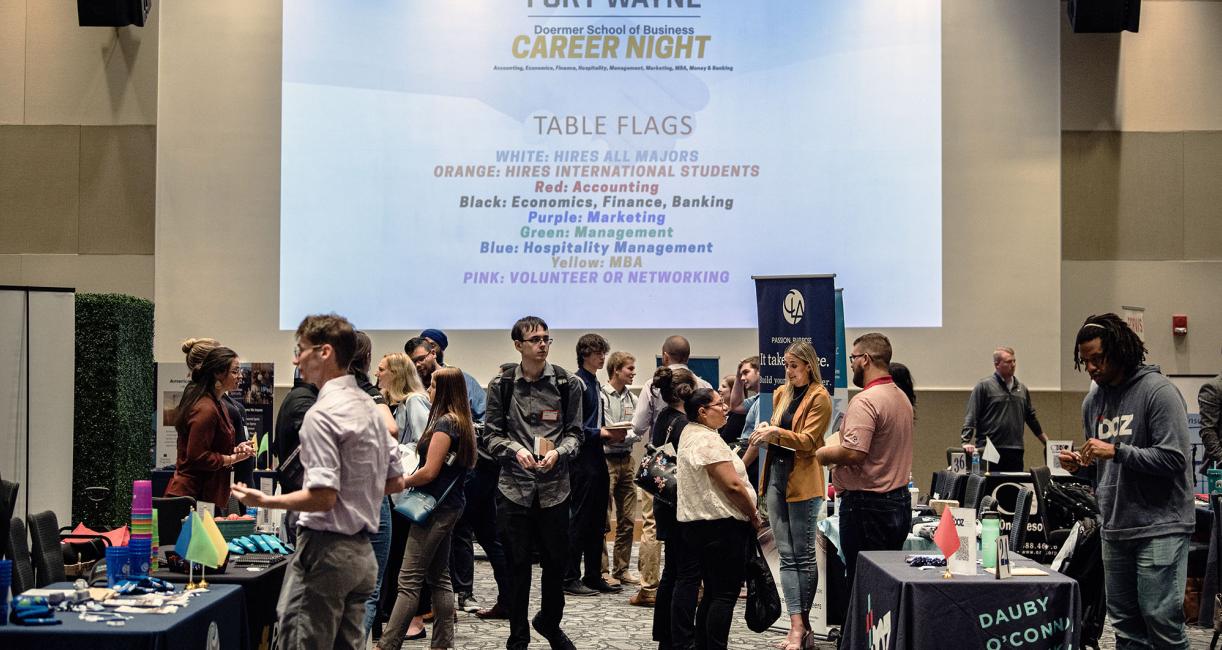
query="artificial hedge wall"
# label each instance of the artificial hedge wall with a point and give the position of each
(113, 433)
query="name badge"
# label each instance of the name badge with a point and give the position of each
(550, 416)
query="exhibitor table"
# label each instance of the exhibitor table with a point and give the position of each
(262, 591)
(216, 619)
(897, 606)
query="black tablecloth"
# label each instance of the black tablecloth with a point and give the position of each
(262, 590)
(216, 619)
(896, 606)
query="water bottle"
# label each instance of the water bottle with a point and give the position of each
(913, 492)
(990, 529)
(976, 462)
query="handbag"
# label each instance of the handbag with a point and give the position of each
(417, 505)
(763, 603)
(657, 472)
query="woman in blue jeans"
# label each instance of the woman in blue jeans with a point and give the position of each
(447, 453)
(792, 483)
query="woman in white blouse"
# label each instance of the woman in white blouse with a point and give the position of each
(717, 517)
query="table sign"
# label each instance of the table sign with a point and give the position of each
(958, 462)
(963, 561)
(1052, 460)
(1003, 558)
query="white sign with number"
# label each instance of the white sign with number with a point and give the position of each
(958, 462)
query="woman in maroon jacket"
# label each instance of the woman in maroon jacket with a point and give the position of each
(206, 447)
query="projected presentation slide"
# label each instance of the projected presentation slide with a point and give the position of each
(608, 163)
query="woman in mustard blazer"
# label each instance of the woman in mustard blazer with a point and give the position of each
(792, 483)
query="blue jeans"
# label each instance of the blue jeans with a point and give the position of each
(1145, 579)
(793, 524)
(381, 550)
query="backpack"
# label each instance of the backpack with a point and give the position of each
(506, 388)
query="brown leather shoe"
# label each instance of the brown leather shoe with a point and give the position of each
(641, 600)
(629, 578)
(492, 613)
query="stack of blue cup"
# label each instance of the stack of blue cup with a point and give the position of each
(6, 583)
(117, 569)
(139, 549)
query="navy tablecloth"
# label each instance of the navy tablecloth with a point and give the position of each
(213, 620)
(896, 606)
(261, 589)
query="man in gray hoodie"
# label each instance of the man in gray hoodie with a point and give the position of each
(1136, 428)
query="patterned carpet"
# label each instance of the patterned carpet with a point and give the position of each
(609, 622)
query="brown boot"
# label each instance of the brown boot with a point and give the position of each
(640, 599)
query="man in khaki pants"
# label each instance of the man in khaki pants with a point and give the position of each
(675, 352)
(619, 404)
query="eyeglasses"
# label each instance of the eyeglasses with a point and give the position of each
(297, 350)
(536, 340)
(421, 357)
(236, 372)
(854, 357)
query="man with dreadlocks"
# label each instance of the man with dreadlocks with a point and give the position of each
(1136, 428)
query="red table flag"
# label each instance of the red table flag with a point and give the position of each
(946, 537)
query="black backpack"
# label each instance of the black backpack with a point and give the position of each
(506, 392)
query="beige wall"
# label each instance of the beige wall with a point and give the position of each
(1141, 151)
(1141, 201)
(78, 107)
(1000, 95)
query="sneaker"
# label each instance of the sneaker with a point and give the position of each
(555, 636)
(641, 600)
(576, 588)
(602, 586)
(629, 578)
(468, 603)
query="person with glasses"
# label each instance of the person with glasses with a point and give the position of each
(533, 427)
(997, 409)
(1136, 428)
(350, 463)
(873, 458)
(716, 517)
(424, 356)
(195, 350)
(206, 439)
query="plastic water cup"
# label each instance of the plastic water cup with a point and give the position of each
(117, 567)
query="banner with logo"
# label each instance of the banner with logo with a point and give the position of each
(798, 308)
(840, 398)
(794, 308)
(172, 379)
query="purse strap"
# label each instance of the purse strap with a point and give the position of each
(669, 429)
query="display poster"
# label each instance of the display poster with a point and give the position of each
(1135, 317)
(172, 379)
(255, 393)
(585, 159)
